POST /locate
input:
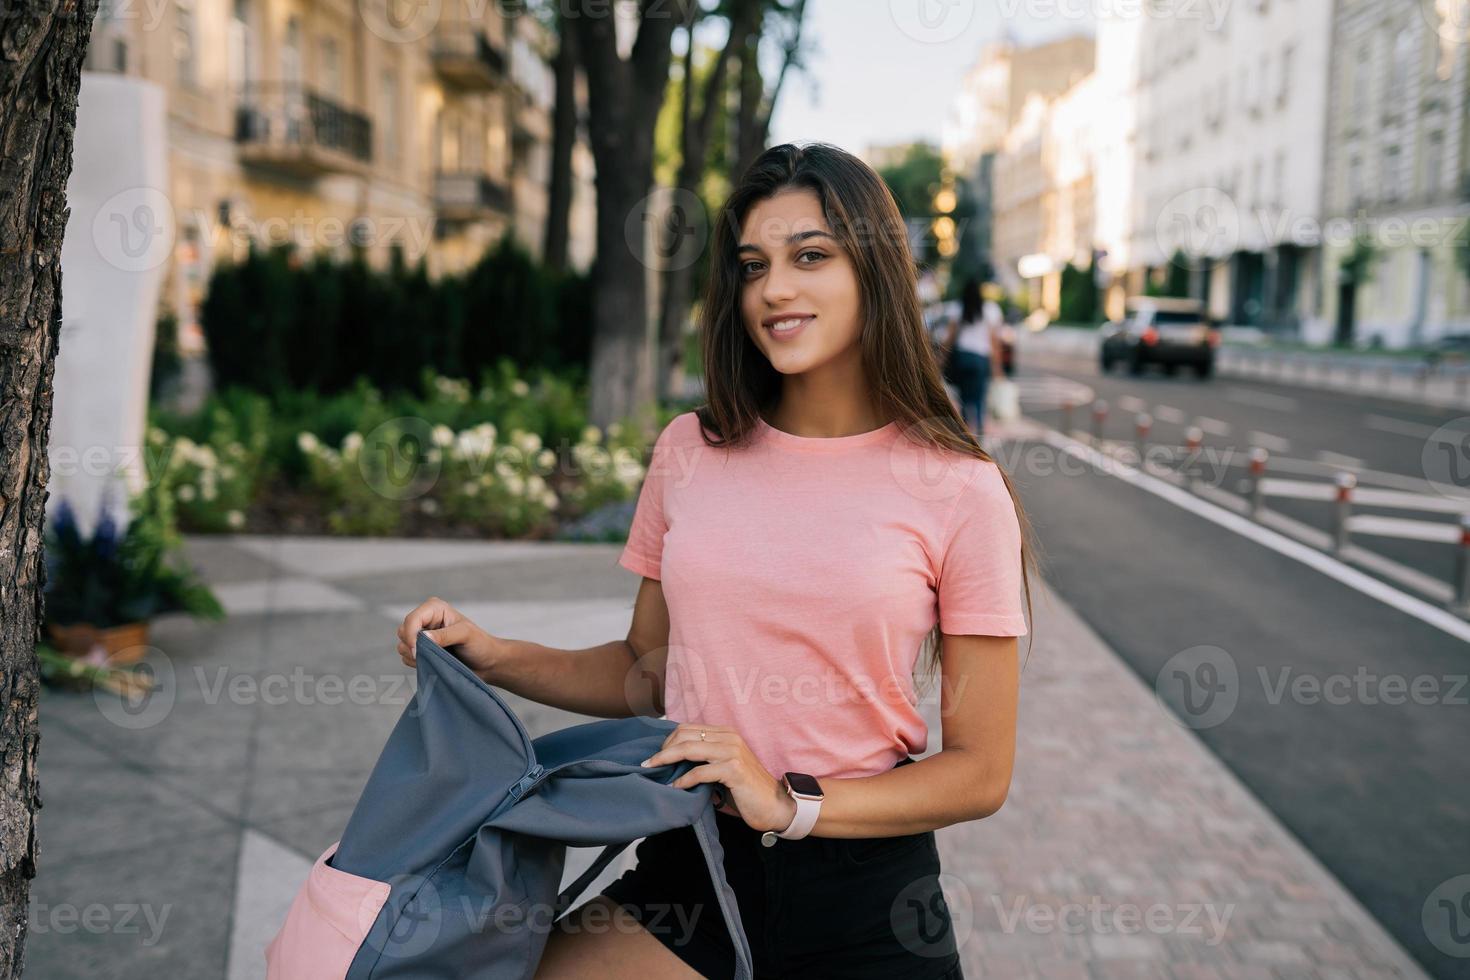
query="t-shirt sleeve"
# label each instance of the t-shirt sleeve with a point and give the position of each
(643, 552)
(979, 587)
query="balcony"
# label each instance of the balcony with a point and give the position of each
(469, 196)
(290, 128)
(465, 59)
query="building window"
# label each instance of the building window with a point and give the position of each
(1361, 78)
(388, 96)
(242, 44)
(331, 75)
(1284, 92)
(185, 33)
(1398, 85)
(1433, 164)
(1391, 173)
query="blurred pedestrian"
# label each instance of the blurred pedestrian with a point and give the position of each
(975, 339)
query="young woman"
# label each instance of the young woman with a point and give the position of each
(802, 537)
(975, 339)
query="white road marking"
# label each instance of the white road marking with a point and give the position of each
(1426, 613)
(1132, 403)
(1338, 459)
(1261, 399)
(1214, 427)
(1170, 414)
(1403, 427)
(1266, 440)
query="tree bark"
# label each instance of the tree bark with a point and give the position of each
(563, 139)
(695, 137)
(43, 47)
(624, 98)
(753, 119)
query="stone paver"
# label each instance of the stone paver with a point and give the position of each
(173, 835)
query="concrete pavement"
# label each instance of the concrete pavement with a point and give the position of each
(174, 833)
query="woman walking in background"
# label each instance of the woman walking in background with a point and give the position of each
(975, 340)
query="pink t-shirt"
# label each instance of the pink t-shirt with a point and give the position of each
(801, 575)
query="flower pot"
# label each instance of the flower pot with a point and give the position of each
(122, 644)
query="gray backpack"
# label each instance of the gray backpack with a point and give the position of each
(451, 863)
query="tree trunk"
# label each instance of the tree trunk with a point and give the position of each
(695, 134)
(40, 75)
(753, 120)
(563, 140)
(624, 98)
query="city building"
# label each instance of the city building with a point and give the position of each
(334, 125)
(1397, 196)
(992, 99)
(1229, 147)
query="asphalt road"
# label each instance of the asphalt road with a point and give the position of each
(1373, 778)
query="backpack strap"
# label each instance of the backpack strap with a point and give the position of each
(708, 834)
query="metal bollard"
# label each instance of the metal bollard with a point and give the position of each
(1099, 412)
(1258, 477)
(1343, 508)
(1462, 569)
(1193, 437)
(1141, 424)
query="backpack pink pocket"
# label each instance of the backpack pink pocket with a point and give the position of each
(328, 921)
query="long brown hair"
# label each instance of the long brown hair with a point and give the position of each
(898, 358)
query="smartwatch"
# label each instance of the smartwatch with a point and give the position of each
(807, 793)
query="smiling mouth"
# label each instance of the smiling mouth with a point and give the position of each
(784, 327)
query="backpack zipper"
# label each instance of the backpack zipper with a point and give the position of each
(526, 782)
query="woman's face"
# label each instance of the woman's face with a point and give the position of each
(791, 264)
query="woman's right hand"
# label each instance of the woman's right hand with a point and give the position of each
(447, 627)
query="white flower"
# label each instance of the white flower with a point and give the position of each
(614, 430)
(307, 443)
(443, 435)
(429, 505)
(235, 519)
(227, 472)
(527, 442)
(352, 442)
(592, 434)
(520, 387)
(186, 492)
(515, 484)
(470, 488)
(546, 460)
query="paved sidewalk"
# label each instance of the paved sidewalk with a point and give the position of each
(173, 835)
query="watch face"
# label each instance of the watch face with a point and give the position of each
(803, 784)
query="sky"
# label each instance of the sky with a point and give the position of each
(884, 71)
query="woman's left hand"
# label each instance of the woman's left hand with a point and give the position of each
(750, 792)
